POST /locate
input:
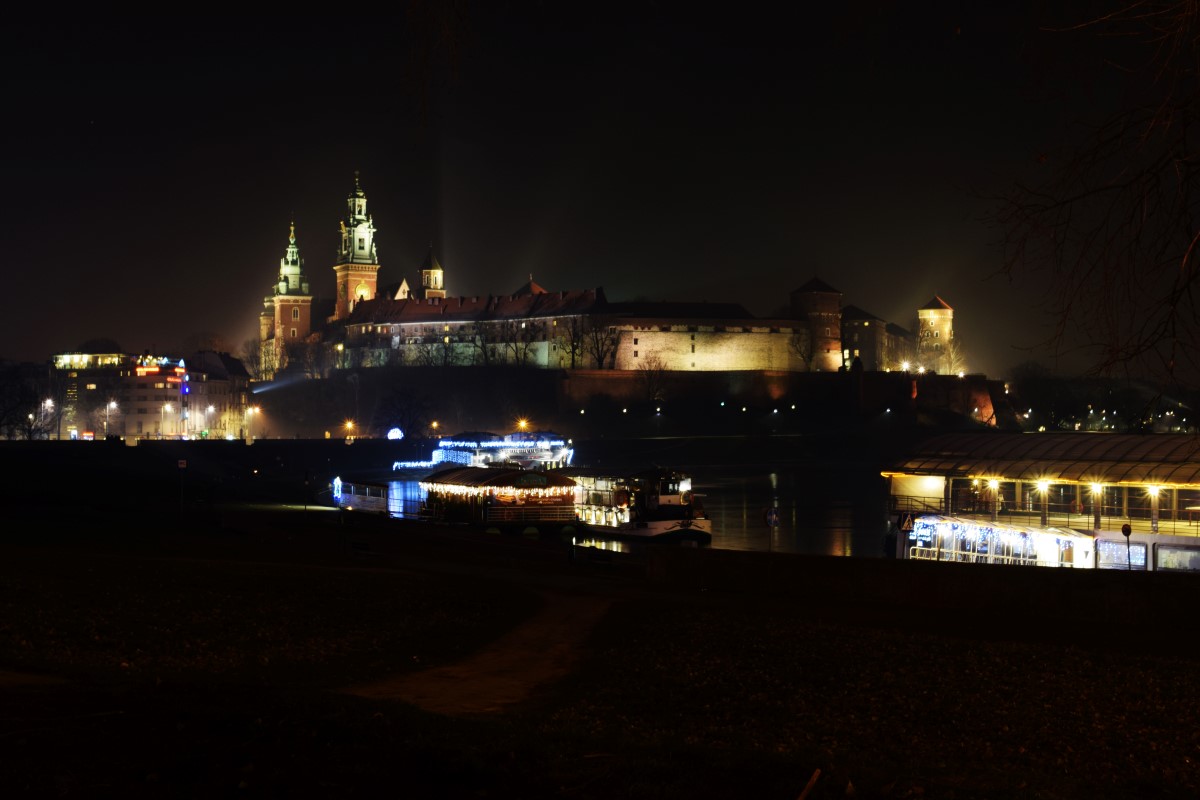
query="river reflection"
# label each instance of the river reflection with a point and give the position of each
(819, 511)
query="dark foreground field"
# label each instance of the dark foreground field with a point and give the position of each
(283, 654)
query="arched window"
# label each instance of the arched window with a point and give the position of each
(295, 313)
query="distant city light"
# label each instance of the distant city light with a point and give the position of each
(395, 433)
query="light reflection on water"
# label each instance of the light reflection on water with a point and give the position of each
(819, 512)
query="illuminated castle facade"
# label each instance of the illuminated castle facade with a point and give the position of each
(369, 325)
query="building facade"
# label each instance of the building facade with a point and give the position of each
(936, 349)
(420, 323)
(148, 397)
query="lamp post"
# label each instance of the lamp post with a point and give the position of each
(994, 485)
(112, 404)
(1044, 488)
(162, 420)
(1153, 490)
(250, 412)
(1097, 503)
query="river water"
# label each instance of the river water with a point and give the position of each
(821, 511)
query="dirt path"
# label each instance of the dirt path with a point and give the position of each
(505, 672)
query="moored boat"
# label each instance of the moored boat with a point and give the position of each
(656, 504)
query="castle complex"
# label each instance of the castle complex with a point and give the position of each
(369, 325)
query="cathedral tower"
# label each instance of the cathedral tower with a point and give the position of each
(293, 302)
(432, 279)
(357, 267)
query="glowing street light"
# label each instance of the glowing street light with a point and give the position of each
(111, 406)
(523, 424)
(1044, 488)
(250, 412)
(994, 485)
(349, 429)
(1153, 492)
(162, 420)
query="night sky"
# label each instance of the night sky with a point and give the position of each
(152, 167)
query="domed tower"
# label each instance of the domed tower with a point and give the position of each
(357, 267)
(935, 335)
(293, 301)
(820, 305)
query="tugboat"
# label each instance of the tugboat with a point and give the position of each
(653, 504)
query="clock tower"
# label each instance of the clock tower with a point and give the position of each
(357, 266)
(293, 302)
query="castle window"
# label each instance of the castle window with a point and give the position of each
(361, 243)
(937, 347)
(693, 350)
(635, 340)
(935, 334)
(295, 313)
(827, 331)
(635, 353)
(293, 333)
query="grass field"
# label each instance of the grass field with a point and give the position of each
(144, 663)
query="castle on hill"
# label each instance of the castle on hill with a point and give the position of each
(366, 325)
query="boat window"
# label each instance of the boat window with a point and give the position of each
(1169, 557)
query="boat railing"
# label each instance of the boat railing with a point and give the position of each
(530, 514)
(967, 557)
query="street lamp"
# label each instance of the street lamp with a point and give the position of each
(162, 420)
(1044, 488)
(1153, 492)
(250, 412)
(349, 429)
(112, 404)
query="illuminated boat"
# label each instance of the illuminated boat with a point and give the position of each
(532, 450)
(653, 504)
(496, 496)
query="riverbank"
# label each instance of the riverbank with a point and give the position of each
(235, 658)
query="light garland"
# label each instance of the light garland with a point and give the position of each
(479, 491)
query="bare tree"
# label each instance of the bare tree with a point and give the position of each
(1112, 225)
(800, 344)
(517, 338)
(600, 340)
(569, 336)
(260, 359)
(653, 377)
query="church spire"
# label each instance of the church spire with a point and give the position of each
(357, 266)
(292, 279)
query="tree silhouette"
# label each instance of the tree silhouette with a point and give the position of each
(1111, 224)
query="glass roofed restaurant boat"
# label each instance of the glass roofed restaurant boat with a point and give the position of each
(656, 504)
(498, 496)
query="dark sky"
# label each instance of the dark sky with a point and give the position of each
(151, 166)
